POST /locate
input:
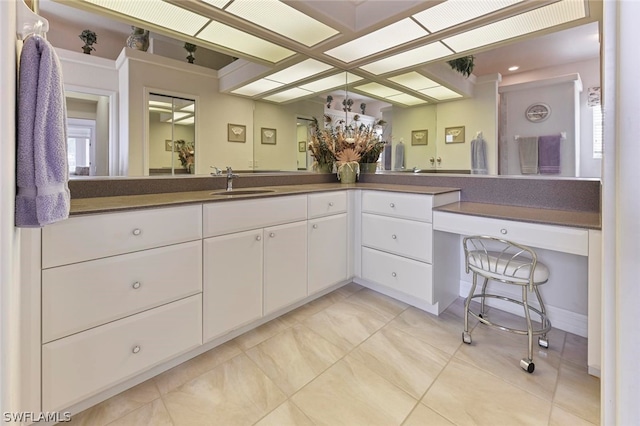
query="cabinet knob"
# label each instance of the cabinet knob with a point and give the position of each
(136, 285)
(331, 204)
(137, 231)
(271, 234)
(258, 238)
(392, 205)
(135, 349)
(393, 274)
(315, 226)
(503, 231)
(394, 236)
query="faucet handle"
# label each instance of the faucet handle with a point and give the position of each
(216, 171)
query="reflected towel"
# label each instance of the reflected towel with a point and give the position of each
(42, 173)
(398, 163)
(549, 154)
(479, 156)
(528, 147)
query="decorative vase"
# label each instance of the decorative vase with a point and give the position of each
(87, 49)
(368, 167)
(138, 39)
(324, 168)
(348, 172)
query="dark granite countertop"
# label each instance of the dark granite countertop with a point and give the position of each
(131, 202)
(588, 220)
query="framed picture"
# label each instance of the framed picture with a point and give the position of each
(236, 133)
(454, 134)
(302, 146)
(268, 136)
(168, 145)
(419, 137)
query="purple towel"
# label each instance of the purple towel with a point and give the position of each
(42, 173)
(549, 154)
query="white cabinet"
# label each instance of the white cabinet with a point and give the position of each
(254, 266)
(397, 254)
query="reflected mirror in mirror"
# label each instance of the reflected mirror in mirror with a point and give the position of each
(172, 135)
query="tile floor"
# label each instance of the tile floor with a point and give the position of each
(356, 357)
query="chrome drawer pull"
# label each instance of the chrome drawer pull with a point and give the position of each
(136, 285)
(394, 236)
(272, 234)
(393, 274)
(258, 238)
(392, 205)
(137, 231)
(503, 231)
(331, 204)
(135, 349)
(315, 226)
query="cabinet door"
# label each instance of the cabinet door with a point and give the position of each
(327, 252)
(285, 265)
(232, 282)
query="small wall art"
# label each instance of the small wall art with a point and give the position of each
(302, 146)
(419, 137)
(168, 145)
(454, 134)
(236, 132)
(268, 136)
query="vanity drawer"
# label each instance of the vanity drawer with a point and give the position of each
(91, 237)
(79, 366)
(88, 294)
(398, 273)
(234, 216)
(326, 203)
(551, 237)
(406, 206)
(404, 237)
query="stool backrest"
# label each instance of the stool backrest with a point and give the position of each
(500, 257)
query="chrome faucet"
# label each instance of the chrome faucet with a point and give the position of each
(216, 171)
(230, 176)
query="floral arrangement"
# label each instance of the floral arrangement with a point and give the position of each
(186, 154)
(344, 144)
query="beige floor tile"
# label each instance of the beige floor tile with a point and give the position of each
(345, 325)
(234, 393)
(575, 349)
(293, 357)
(351, 394)
(468, 396)
(260, 334)
(494, 352)
(152, 414)
(425, 416)
(404, 360)
(118, 405)
(194, 367)
(578, 392)
(286, 414)
(349, 289)
(560, 417)
(305, 311)
(445, 330)
(384, 306)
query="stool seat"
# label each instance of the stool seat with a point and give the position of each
(507, 262)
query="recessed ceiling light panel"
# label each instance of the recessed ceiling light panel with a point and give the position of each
(412, 57)
(299, 71)
(377, 41)
(414, 81)
(525, 23)
(378, 89)
(331, 82)
(454, 12)
(287, 95)
(158, 12)
(406, 99)
(514, 68)
(231, 38)
(441, 93)
(189, 120)
(257, 87)
(217, 3)
(283, 19)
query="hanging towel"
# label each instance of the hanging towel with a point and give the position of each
(398, 163)
(479, 156)
(42, 173)
(528, 155)
(549, 154)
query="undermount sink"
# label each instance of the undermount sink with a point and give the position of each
(243, 192)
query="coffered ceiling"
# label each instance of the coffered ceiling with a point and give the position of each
(386, 49)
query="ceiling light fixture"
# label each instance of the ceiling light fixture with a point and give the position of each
(454, 12)
(412, 57)
(257, 87)
(389, 94)
(299, 71)
(288, 95)
(514, 68)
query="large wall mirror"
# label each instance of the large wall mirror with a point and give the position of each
(434, 137)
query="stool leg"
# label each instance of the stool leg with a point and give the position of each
(527, 363)
(542, 340)
(484, 291)
(466, 336)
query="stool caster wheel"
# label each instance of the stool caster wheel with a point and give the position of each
(543, 343)
(466, 337)
(527, 365)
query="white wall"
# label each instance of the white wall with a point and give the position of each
(406, 120)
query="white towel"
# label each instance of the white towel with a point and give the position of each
(42, 173)
(398, 163)
(528, 147)
(479, 156)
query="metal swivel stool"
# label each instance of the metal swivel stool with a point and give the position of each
(499, 260)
